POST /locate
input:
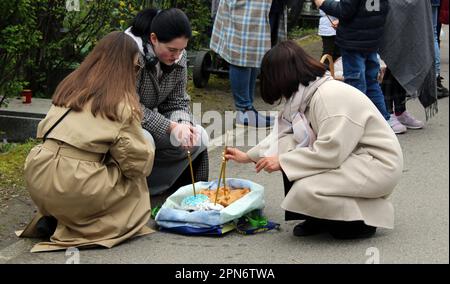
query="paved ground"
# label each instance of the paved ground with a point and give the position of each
(420, 236)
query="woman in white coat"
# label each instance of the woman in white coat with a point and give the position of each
(338, 155)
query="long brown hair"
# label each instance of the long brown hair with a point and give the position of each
(284, 68)
(107, 77)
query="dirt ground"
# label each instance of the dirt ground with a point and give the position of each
(16, 207)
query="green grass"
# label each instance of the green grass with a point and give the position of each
(297, 33)
(12, 159)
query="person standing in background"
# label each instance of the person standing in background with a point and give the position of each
(359, 34)
(242, 34)
(442, 91)
(327, 31)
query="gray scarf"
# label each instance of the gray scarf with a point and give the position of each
(293, 119)
(408, 50)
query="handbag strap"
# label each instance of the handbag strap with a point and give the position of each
(56, 123)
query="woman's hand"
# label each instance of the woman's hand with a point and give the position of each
(183, 135)
(335, 24)
(318, 3)
(237, 155)
(269, 164)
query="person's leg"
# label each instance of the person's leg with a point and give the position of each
(437, 53)
(201, 166)
(403, 116)
(439, 26)
(327, 45)
(262, 115)
(311, 226)
(441, 90)
(354, 69)
(373, 87)
(274, 21)
(387, 87)
(438, 31)
(399, 99)
(252, 84)
(240, 79)
(395, 94)
(288, 214)
(243, 83)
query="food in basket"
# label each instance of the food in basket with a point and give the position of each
(226, 195)
(199, 202)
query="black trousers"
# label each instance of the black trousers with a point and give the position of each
(329, 47)
(394, 93)
(288, 215)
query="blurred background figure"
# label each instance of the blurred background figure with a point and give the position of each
(243, 32)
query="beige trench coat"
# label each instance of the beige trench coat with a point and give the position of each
(90, 176)
(352, 167)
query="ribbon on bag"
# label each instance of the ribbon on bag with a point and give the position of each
(254, 223)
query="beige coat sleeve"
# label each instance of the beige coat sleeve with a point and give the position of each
(337, 138)
(275, 143)
(134, 154)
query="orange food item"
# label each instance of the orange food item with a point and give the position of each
(226, 195)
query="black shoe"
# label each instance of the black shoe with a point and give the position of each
(46, 226)
(309, 227)
(351, 230)
(442, 92)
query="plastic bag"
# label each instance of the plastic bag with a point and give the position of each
(170, 216)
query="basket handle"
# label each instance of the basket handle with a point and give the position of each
(329, 58)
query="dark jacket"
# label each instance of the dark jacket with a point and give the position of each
(361, 25)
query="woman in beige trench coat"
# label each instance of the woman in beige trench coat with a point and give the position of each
(339, 157)
(88, 178)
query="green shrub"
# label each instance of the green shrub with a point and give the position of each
(41, 42)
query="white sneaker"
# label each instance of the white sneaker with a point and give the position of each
(396, 125)
(409, 121)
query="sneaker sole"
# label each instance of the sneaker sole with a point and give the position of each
(413, 127)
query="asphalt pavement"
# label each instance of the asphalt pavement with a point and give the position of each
(421, 202)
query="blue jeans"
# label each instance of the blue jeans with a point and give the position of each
(437, 52)
(361, 71)
(243, 81)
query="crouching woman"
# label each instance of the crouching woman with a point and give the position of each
(88, 177)
(339, 158)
